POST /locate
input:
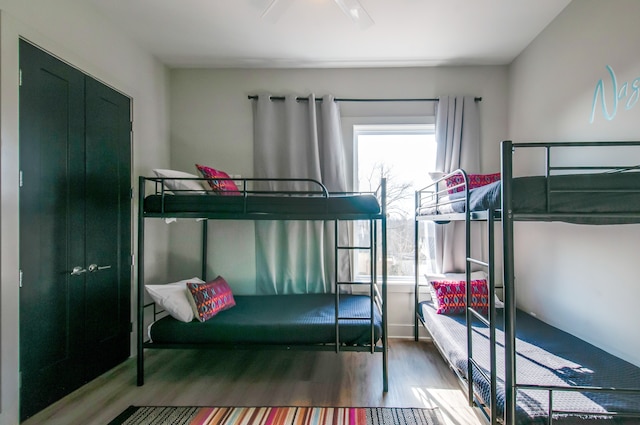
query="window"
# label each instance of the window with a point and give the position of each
(403, 154)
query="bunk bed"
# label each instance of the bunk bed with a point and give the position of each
(337, 321)
(515, 368)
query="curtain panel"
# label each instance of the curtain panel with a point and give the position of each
(458, 146)
(298, 139)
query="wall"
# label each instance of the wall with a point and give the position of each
(211, 123)
(73, 31)
(582, 279)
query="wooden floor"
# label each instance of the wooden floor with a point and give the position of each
(418, 377)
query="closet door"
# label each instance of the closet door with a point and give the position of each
(108, 227)
(75, 152)
(52, 223)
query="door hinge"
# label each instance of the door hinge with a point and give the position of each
(131, 192)
(20, 179)
(20, 78)
(133, 260)
(20, 278)
(130, 326)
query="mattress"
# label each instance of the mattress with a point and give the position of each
(568, 194)
(545, 356)
(279, 320)
(356, 204)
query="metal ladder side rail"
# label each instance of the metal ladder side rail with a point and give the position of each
(472, 313)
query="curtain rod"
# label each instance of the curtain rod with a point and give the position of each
(337, 99)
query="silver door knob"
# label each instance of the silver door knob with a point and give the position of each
(96, 268)
(78, 270)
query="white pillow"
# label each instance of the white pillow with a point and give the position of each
(479, 275)
(172, 297)
(179, 186)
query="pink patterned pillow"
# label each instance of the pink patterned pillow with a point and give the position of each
(451, 296)
(223, 187)
(473, 181)
(209, 299)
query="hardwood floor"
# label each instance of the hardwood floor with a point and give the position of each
(418, 377)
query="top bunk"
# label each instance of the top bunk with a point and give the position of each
(256, 199)
(600, 186)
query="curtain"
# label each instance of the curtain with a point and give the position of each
(458, 146)
(297, 139)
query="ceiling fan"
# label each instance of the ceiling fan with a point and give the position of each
(352, 8)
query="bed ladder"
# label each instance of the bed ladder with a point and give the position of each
(490, 321)
(371, 283)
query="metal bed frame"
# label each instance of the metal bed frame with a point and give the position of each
(378, 296)
(433, 196)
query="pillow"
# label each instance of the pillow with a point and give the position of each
(473, 181)
(174, 298)
(209, 299)
(223, 187)
(448, 292)
(180, 186)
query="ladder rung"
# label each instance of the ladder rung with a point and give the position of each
(355, 318)
(354, 283)
(353, 247)
(479, 316)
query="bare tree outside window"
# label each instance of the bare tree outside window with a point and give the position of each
(405, 161)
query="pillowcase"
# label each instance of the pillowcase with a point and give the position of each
(180, 186)
(222, 187)
(209, 299)
(473, 181)
(174, 298)
(448, 292)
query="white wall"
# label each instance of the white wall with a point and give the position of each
(211, 123)
(73, 31)
(582, 279)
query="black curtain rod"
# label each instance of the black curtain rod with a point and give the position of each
(338, 99)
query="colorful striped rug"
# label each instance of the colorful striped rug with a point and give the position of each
(277, 416)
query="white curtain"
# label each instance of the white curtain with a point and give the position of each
(297, 139)
(458, 146)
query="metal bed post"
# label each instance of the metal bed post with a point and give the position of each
(205, 239)
(468, 313)
(493, 396)
(416, 263)
(385, 380)
(336, 241)
(506, 159)
(140, 324)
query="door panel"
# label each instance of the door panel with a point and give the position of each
(51, 223)
(108, 236)
(75, 206)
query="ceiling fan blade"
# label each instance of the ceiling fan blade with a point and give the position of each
(275, 10)
(354, 10)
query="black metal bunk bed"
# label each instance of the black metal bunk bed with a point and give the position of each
(568, 381)
(324, 322)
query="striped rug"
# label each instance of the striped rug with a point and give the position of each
(277, 416)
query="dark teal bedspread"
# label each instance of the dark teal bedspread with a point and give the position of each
(277, 319)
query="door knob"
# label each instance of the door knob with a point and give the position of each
(77, 271)
(96, 268)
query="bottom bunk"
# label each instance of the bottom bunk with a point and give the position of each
(304, 319)
(545, 356)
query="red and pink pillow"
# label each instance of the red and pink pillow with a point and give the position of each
(209, 299)
(473, 181)
(449, 293)
(217, 180)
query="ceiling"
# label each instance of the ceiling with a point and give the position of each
(316, 33)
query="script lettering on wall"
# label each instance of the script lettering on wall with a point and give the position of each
(626, 94)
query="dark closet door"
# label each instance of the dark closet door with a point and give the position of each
(74, 212)
(108, 227)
